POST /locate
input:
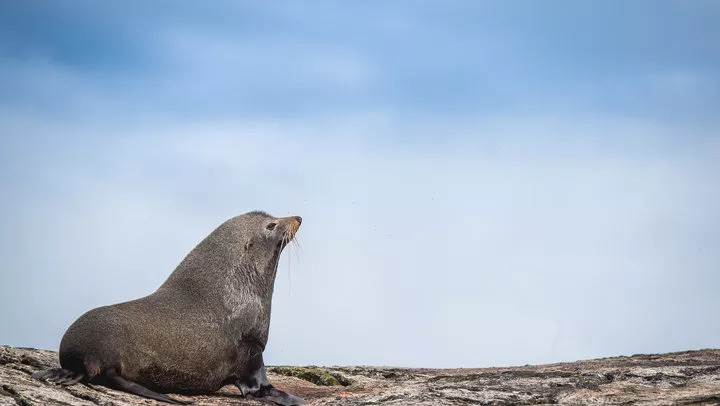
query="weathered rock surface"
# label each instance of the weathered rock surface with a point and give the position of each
(683, 378)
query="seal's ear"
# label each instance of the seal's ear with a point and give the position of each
(248, 244)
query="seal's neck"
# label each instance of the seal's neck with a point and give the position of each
(254, 274)
(217, 270)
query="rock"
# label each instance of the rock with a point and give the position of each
(683, 378)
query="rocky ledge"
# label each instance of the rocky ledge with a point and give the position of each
(682, 378)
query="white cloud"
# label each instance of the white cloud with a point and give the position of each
(550, 244)
(681, 82)
(202, 62)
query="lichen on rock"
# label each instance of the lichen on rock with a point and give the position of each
(313, 374)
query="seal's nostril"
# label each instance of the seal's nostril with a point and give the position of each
(299, 219)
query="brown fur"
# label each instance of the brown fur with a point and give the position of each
(199, 330)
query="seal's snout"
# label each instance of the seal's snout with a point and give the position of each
(291, 225)
(294, 223)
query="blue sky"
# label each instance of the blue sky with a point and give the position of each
(637, 58)
(482, 183)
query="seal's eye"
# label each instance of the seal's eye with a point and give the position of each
(270, 226)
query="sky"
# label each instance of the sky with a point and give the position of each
(482, 183)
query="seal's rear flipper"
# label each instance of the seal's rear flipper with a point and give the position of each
(59, 376)
(129, 386)
(269, 393)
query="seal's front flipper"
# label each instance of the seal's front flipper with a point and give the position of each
(269, 393)
(255, 385)
(129, 386)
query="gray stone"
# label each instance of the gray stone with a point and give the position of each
(682, 378)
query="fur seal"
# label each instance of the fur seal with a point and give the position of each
(205, 327)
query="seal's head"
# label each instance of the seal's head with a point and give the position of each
(266, 233)
(258, 238)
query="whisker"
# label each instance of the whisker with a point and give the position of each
(290, 238)
(298, 248)
(289, 277)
